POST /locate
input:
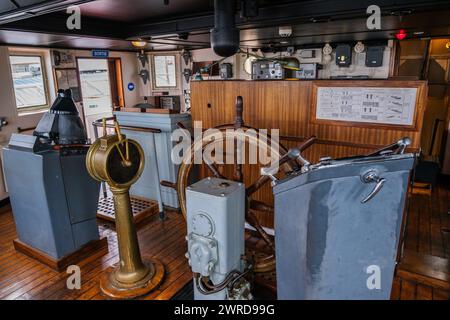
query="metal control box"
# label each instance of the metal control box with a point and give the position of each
(267, 70)
(215, 228)
(337, 228)
(307, 71)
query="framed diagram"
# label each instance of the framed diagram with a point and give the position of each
(165, 70)
(365, 105)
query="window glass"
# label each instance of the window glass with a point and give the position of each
(28, 79)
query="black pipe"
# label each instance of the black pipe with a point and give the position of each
(225, 35)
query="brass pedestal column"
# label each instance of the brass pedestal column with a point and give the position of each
(119, 162)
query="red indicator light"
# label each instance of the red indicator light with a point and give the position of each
(401, 35)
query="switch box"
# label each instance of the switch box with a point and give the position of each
(226, 71)
(374, 56)
(215, 227)
(343, 55)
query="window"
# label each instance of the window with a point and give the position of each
(28, 78)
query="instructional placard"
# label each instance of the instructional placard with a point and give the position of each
(393, 106)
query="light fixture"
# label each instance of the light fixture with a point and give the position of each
(142, 58)
(186, 54)
(359, 47)
(248, 64)
(401, 35)
(187, 73)
(145, 76)
(327, 49)
(447, 45)
(140, 44)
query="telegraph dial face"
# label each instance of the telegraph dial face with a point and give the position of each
(120, 172)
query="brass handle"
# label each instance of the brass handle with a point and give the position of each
(369, 177)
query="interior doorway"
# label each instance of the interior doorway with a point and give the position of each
(101, 89)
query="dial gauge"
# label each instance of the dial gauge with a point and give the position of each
(119, 170)
(202, 225)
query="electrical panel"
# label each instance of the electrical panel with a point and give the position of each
(226, 71)
(343, 55)
(267, 70)
(374, 56)
(308, 71)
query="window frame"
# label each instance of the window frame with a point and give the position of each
(38, 108)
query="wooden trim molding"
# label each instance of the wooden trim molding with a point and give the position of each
(94, 246)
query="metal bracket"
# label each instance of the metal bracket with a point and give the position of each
(3, 122)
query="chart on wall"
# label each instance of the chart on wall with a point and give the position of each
(68, 79)
(394, 106)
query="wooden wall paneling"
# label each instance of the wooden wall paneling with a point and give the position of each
(289, 106)
(281, 105)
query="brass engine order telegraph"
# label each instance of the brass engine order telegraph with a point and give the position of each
(120, 161)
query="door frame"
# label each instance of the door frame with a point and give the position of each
(118, 79)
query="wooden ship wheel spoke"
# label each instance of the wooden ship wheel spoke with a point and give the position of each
(286, 162)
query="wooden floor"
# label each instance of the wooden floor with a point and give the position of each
(428, 229)
(424, 271)
(24, 278)
(422, 274)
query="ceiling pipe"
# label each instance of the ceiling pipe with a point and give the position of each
(225, 35)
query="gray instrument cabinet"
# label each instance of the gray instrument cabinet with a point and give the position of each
(53, 198)
(328, 243)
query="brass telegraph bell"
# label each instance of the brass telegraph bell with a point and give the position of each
(120, 161)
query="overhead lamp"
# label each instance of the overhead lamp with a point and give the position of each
(140, 44)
